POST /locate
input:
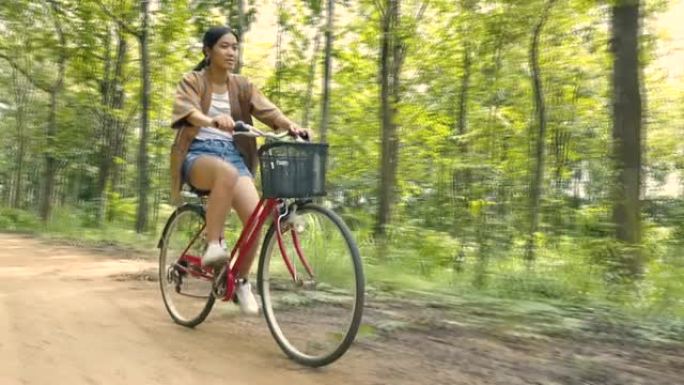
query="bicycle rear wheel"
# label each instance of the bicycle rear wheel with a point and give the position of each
(313, 307)
(186, 289)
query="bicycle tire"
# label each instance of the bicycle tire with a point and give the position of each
(263, 285)
(181, 319)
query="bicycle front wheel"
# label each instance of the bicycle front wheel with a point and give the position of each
(185, 288)
(313, 293)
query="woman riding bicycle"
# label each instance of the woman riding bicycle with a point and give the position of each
(206, 156)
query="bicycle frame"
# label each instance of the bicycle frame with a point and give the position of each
(249, 236)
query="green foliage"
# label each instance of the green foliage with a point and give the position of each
(461, 214)
(421, 250)
(15, 219)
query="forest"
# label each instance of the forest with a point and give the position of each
(504, 148)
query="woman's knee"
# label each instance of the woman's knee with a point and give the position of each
(226, 177)
(246, 198)
(209, 173)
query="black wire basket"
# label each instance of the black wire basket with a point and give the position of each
(293, 169)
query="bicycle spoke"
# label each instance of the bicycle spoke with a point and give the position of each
(185, 285)
(315, 317)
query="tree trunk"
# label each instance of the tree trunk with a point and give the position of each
(462, 177)
(462, 119)
(19, 176)
(497, 140)
(561, 142)
(540, 109)
(101, 187)
(279, 48)
(385, 191)
(116, 128)
(119, 168)
(55, 90)
(310, 83)
(50, 160)
(106, 127)
(241, 34)
(327, 70)
(390, 67)
(22, 93)
(143, 177)
(561, 146)
(627, 131)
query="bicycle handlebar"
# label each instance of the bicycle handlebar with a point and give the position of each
(242, 128)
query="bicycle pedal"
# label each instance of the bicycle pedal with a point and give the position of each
(219, 283)
(181, 272)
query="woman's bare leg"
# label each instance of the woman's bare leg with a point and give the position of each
(212, 173)
(245, 200)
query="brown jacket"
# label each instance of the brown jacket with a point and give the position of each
(194, 94)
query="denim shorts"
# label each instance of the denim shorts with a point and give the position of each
(222, 149)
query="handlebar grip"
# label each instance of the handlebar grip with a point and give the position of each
(241, 126)
(305, 135)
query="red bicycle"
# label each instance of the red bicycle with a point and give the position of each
(312, 294)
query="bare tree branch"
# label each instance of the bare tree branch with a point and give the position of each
(124, 26)
(421, 11)
(40, 84)
(36, 83)
(62, 42)
(380, 8)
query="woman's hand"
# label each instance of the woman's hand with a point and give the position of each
(223, 122)
(298, 132)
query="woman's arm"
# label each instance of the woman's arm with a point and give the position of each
(198, 119)
(222, 122)
(267, 112)
(181, 145)
(187, 109)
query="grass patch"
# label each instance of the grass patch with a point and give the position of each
(71, 227)
(564, 276)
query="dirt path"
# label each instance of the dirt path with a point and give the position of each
(75, 316)
(65, 318)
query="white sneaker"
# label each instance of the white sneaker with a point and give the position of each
(223, 244)
(215, 255)
(245, 298)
